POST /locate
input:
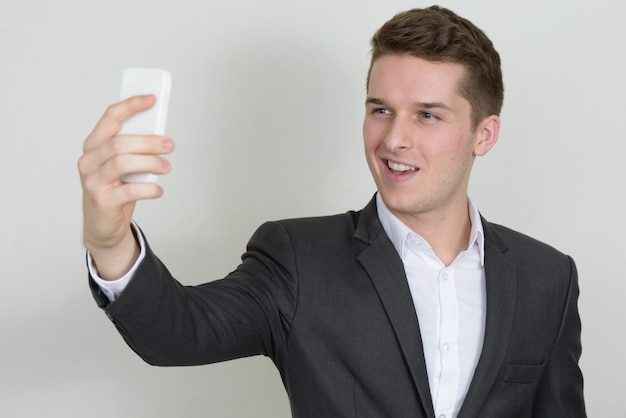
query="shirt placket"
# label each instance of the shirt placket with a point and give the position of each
(448, 343)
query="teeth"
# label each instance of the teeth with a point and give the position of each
(399, 167)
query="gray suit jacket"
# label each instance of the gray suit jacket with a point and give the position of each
(328, 301)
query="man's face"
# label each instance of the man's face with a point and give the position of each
(418, 136)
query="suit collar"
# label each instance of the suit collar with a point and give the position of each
(501, 286)
(384, 267)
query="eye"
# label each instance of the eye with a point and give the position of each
(428, 116)
(381, 111)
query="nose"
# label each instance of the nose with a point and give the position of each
(400, 134)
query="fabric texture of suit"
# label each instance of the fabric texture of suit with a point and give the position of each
(328, 301)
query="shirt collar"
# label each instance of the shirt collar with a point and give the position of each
(398, 232)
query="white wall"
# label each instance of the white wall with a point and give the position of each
(266, 108)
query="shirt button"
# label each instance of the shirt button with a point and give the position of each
(446, 347)
(445, 276)
(442, 416)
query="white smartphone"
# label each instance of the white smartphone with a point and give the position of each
(140, 81)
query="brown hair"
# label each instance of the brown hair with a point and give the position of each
(439, 35)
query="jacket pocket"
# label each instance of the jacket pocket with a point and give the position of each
(522, 373)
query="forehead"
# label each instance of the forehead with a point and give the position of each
(409, 75)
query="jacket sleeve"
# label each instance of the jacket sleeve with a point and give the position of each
(247, 313)
(560, 391)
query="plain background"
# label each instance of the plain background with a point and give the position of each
(266, 110)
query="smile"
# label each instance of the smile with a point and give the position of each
(399, 167)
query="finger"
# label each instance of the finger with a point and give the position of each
(111, 121)
(111, 199)
(123, 165)
(124, 145)
(107, 213)
(137, 144)
(114, 169)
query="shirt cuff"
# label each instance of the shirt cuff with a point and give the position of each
(112, 289)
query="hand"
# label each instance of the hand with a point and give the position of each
(108, 203)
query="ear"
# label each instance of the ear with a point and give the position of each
(487, 133)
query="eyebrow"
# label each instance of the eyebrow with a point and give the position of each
(419, 105)
(375, 101)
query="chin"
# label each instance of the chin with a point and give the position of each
(399, 203)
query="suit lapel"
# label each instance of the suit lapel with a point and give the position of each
(501, 285)
(384, 267)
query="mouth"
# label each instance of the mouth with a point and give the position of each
(400, 168)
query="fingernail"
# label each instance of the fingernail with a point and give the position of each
(167, 144)
(165, 165)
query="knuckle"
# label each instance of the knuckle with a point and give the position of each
(89, 184)
(119, 163)
(113, 118)
(116, 145)
(83, 164)
(87, 143)
(112, 112)
(132, 191)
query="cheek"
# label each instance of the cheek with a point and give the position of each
(372, 136)
(458, 145)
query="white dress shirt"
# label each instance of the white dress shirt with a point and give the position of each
(450, 303)
(113, 288)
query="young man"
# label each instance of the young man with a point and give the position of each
(414, 306)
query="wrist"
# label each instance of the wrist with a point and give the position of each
(113, 263)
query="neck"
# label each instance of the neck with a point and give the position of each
(447, 231)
